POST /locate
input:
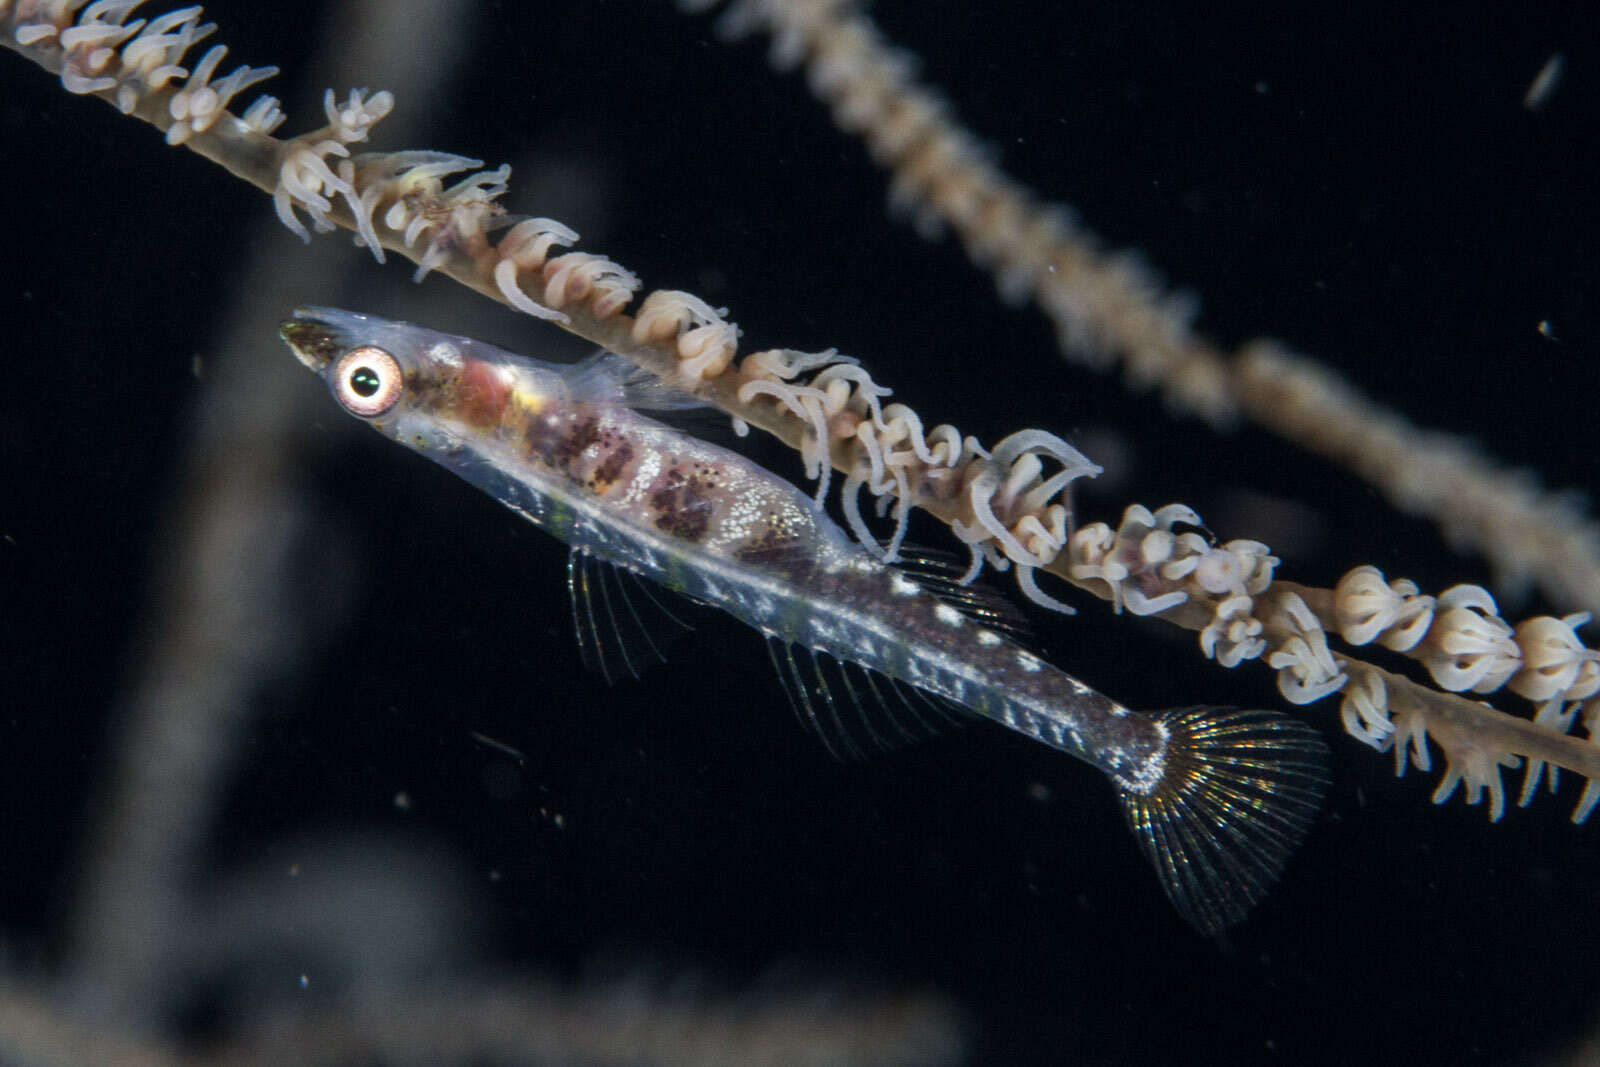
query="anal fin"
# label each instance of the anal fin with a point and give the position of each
(854, 711)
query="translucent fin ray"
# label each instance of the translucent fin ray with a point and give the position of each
(930, 714)
(1239, 791)
(941, 576)
(855, 712)
(622, 625)
(607, 378)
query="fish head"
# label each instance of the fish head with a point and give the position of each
(376, 369)
(382, 371)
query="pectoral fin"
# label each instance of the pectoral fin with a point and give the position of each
(623, 624)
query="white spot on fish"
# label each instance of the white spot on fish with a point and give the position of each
(1029, 662)
(988, 638)
(445, 353)
(900, 585)
(507, 374)
(947, 615)
(644, 476)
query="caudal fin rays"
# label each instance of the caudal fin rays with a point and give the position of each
(1239, 792)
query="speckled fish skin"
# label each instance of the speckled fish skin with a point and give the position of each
(1216, 798)
(558, 444)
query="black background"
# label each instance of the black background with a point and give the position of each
(1364, 184)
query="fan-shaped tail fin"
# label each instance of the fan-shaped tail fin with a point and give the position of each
(1238, 793)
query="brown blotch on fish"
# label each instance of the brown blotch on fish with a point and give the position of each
(683, 509)
(584, 432)
(773, 545)
(617, 457)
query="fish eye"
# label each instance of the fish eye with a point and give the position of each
(367, 381)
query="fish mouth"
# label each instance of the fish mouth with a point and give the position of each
(315, 341)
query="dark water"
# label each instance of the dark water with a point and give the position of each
(1365, 185)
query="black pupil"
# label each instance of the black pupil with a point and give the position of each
(364, 381)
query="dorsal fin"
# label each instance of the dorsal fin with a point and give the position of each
(855, 711)
(939, 575)
(606, 377)
(621, 622)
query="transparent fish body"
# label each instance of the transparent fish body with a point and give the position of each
(1217, 798)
